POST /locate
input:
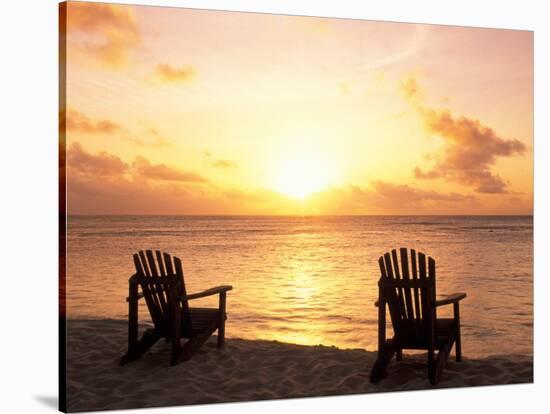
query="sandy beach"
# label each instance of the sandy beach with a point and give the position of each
(248, 370)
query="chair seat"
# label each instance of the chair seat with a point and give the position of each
(445, 329)
(201, 318)
(444, 326)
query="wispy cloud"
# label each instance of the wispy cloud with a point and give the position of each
(168, 73)
(410, 88)
(153, 140)
(224, 164)
(415, 44)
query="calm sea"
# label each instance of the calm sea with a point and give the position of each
(312, 280)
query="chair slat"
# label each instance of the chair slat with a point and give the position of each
(159, 293)
(431, 274)
(391, 295)
(405, 275)
(397, 276)
(418, 321)
(160, 262)
(143, 271)
(146, 271)
(423, 292)
(382, 267)
(168, 264)
(151, 292)
(164, 276)
(186, 317)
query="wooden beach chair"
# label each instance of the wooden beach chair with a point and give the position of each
(409, 291)
(159, 281)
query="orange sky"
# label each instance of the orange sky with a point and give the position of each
(179, 111)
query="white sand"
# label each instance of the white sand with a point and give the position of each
(248, 370)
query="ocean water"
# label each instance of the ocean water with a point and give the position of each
(313, 280)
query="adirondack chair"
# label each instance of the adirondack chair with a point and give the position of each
(410, 293)
(162, 286)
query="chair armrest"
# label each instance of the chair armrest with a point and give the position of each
(452, 298)
(138, 297)
(207, 292)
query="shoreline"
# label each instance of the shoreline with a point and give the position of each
(249, 370)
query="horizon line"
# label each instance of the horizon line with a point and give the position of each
(299, 215)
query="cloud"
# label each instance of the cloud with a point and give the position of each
(405, 193)
(169, 73)
(390, 197)
(162, 172)
(105, 31)
(104, 164)
(157, 140)
(101, 164)
(410, 88)
(470, 150)
(387, 198)
(224, 164)
(76, 121)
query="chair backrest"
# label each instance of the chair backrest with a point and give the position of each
(408, 287)
(162, 282)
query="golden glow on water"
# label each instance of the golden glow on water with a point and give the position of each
(302, 284)
(312, 280)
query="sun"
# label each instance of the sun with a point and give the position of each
(299, 178)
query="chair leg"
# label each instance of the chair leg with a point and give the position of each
(431, 366)
(192, 345)
(458, 347)
(385, 356)
(221, 335)
(175, 331)
(399, 355)
(149, 338)
(458, 344)
(436, 368)
(221, 321)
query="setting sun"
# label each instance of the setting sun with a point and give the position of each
(299, 178)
